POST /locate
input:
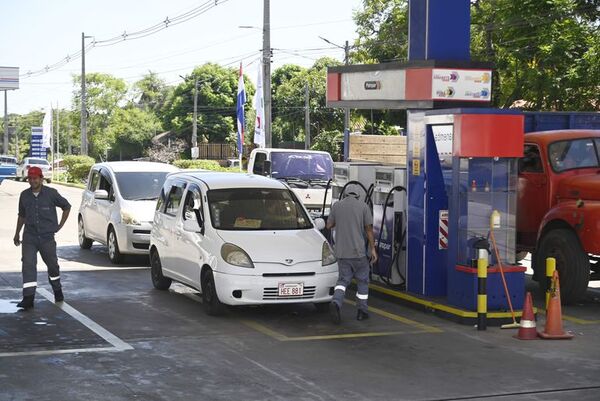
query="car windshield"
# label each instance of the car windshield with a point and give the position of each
(37, 161)
(141, 185)
(306, 166)
(242, 209)
(8, 160)
(573, 154)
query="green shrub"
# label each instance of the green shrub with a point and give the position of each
(211, 165)
(78, 167)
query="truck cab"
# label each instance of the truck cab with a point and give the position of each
(307, 172)
(559, 206)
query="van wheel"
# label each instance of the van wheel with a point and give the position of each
(115, 256)
(159, 281)
(210, 299)
(572, 263)
(84, 242)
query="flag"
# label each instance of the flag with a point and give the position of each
(259, 106)
(241, 100)
(47, 129)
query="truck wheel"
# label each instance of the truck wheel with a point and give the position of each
(572, 263)
(212, 305)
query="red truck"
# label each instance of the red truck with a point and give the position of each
(559, 206)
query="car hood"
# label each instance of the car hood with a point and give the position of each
(586, 187)
(142, 210)
(282, 247)
(312, 197)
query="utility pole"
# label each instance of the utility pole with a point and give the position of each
(57, 133)
(16, 136)
(346, 109)
(69, 133)
(267, 71)
(84, 136)
(5, 146)
(306, 118)
(195, 123)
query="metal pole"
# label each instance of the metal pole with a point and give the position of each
(52, 153)
(84, 138)
(306, 118)
(16, 133)
(57, 136)
(267, 70)
(347, 109)
(195, 123)
(5, 146)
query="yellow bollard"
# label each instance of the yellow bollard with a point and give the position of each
(550, 268)
(482, 265)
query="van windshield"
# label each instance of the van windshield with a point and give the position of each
(243, 209)
(140, 185)
(306, 166)
(573, 154)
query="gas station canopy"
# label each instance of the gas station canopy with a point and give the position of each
(421, 84)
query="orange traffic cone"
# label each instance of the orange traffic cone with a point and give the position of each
(554, 328)
(527, 329)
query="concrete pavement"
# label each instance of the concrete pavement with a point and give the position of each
(117, 338)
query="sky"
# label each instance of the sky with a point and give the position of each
(36, 33)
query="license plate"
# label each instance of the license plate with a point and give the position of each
(291, 289)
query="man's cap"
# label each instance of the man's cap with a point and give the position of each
(35, 172)
(353, 190)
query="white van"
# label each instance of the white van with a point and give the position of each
(240, 239)
(117, 207)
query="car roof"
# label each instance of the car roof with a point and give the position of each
(547, 137)
(134, 166)
(222, 180)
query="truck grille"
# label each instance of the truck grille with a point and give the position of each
(273, 293)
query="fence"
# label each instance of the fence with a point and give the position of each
(217, 151)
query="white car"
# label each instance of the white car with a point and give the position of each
(29, 162)
(117, 207)
(240, 239)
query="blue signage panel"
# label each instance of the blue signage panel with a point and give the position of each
(36, 148)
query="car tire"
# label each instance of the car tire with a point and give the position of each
(212, 305)
(572, 263)
(159, 281)
(322, 307)
(49, 181)
(115, 256)
(84, 242)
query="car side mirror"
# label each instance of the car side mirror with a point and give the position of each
(100, 194)
(319, 223)
(267, 167)
(192, 226)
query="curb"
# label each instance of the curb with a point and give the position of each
(69, 184)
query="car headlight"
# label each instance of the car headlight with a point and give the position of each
(327, 256)
(128, 218)
(236, 256)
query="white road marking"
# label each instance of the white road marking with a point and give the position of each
(118, 345)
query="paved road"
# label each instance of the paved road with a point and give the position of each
(116, 338)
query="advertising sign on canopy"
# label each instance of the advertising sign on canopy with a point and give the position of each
(9, 78)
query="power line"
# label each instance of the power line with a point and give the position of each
(129, 36)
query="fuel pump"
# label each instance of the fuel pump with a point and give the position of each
(389, 224)
(363, 173)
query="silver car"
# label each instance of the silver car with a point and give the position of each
(29, 162)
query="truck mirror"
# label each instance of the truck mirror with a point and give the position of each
(267, 167)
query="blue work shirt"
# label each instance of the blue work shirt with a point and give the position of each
(39, 211)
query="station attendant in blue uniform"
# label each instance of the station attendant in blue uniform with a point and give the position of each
(37, 212)
(353, 222)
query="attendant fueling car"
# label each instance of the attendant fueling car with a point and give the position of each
(117, 207)
(241, 240)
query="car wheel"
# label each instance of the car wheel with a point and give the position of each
(49, 181)
(115, 256)
(159, 281)
(84, 242)
(322, 307)
(572, 263)
(210, 299)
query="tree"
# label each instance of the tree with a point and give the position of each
(150, 92)
(217, 96)
(289, 93)
(104, 94)
(130, 132)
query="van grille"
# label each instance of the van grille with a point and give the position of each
(273, 293)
